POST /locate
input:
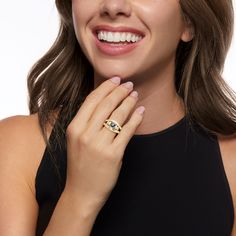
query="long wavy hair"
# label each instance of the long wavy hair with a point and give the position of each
(60, 81)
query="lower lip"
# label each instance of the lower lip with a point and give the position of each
(113, 50)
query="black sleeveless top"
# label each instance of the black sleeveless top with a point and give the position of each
(171, 182)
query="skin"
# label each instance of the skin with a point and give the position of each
(22, 144)
(151, 73)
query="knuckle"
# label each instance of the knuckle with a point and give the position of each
(109, 102)
(115, 98)
(124, 109)
(121, 112)
(70, 130)
(92, 97)
(84, 139)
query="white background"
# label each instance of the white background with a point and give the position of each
(28, 29)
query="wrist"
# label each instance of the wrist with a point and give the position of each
(82, 205)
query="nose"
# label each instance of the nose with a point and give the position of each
(115, 8)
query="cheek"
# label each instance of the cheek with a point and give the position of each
(163, 18)
(82, 12)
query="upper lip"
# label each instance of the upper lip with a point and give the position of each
(117, 29)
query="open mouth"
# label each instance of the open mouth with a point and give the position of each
(117, 41)
(118, 38)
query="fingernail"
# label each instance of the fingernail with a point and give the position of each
(128, 85)
(134, 94)
(141, 110)
(115, 80)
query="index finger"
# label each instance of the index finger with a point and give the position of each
(94, 98)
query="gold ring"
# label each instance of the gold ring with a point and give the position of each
(112, 125)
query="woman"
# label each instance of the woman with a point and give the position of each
(90, 161)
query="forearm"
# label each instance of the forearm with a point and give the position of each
(72, 217)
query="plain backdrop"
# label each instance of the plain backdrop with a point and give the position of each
(28, 29)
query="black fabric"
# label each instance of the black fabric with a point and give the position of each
(171, 182)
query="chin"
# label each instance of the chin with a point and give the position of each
(110, 71)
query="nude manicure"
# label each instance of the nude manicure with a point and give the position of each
(128, 85)
(134, 94)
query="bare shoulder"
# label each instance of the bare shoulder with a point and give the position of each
(21, 150)
(10, 125)
(22, 146)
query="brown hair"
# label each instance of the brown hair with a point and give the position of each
(62, 78)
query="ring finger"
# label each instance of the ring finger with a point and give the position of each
(120, 115)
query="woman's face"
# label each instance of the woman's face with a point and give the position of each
(156, 25)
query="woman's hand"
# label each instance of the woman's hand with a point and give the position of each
(94, 152)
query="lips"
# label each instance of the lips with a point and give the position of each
(117, 29)
(116, 49)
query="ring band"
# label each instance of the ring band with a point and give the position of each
(112, 125)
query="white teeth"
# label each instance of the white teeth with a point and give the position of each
(133, 39)
(118, 36)
(123, 37)
(128, 37)
(110, 37)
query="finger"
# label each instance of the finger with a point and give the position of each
(107, 106)
(93, 99)
(128, 130)
(121, 114)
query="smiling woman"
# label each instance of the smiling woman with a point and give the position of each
(90, 161)
(156, 22)
(116, 41)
